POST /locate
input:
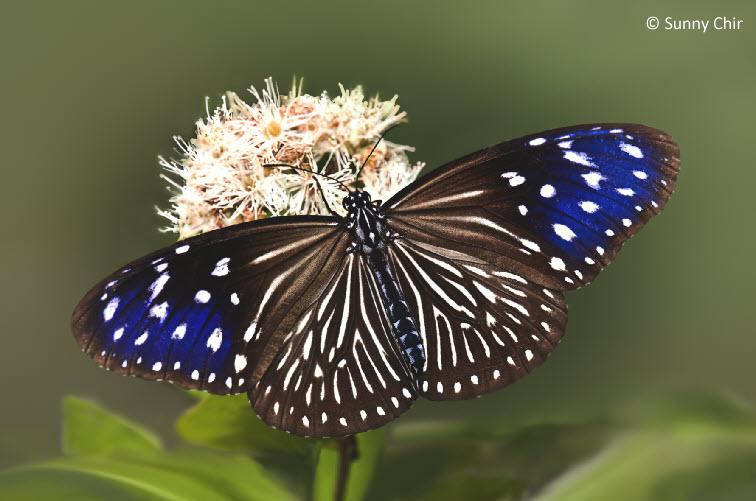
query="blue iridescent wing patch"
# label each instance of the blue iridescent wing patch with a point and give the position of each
(555, 206)
(202, 312)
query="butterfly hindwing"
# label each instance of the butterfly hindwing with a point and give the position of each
(482, 327)
(339, 371)
(205, 312)
(554, 207)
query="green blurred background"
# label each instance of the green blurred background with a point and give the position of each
(93, 92)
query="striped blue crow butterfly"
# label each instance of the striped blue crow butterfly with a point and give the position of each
(452, 288)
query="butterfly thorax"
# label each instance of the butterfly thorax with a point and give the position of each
(366, 224)
(370, 237)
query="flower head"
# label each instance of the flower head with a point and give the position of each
(222, 179)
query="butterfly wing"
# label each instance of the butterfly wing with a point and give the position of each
(482, 327)
(554, 207)
(339, 370)
(487, 244)
(210, 312)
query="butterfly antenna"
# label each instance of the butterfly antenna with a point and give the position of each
(311, 172)
(372, 151)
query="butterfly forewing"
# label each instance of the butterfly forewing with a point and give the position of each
(208, 311)
(554, 207)
(482, 327)
(339, 370)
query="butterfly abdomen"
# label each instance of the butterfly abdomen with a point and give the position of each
(398, 312)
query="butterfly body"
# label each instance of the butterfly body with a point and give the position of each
(452, 288)
(371, 238)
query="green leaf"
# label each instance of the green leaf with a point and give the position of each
(202, 475)
(494, 456)
(705, 451)
(361, 470)
(112, 458)
(228, 422)
(88, 429)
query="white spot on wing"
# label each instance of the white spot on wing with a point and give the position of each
(565, 232)
(250, 332)
(240, 362)
(547, 191)
(537, 141)
(158, 285)
(579, 157)
(182, 249)
(557, 264)
(221, 267)
(530, 245)
(588, 206)
(631, 150)
(110, 309)
(215, 339)
(141, 339)
(179, 332)
(516, 181)
(159, 311)
(593, 179)
(202, 296)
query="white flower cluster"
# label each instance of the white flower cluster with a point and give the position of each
(221, 178)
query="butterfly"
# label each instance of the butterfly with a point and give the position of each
(452, 288)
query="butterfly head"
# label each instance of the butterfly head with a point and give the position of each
(356, 200)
